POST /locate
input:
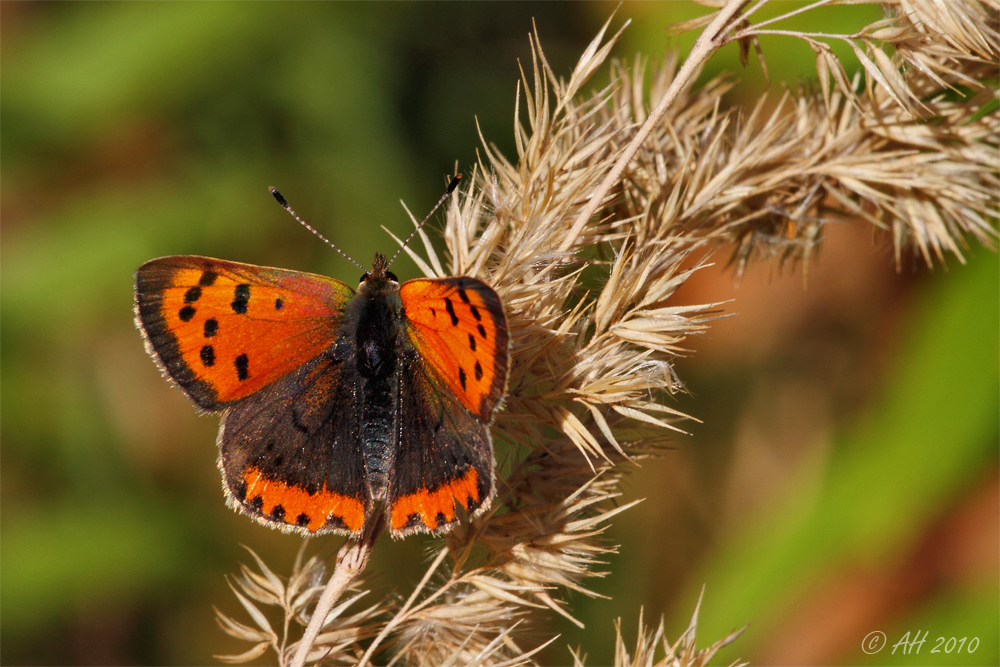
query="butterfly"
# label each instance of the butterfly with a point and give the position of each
(338, 405)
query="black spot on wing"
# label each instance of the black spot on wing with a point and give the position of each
(186, 313)
(208, 355)
(461, 377)
(242, 367)
(472, 342)
(278, 303)
(482, 330)
(451, 311)
(303, 519)
(336, 523)
(463, 295)
(241, 297)
(211, 327)
(278, 513)
(479, 371)
(207, 278)
(192, 295)
(475, 313)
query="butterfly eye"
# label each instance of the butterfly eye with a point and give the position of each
(364, 277)
(391, 276)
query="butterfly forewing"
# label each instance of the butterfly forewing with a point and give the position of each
(224, 330)
(459, 328)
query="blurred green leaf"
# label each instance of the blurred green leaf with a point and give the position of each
(61, 557)
(105, 60)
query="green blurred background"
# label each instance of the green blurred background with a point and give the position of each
(844, 479)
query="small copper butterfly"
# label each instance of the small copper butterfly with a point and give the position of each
(336, 404)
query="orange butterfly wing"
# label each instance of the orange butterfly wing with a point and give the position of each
(459, 328)
(224, 330)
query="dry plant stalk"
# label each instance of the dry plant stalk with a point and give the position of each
(910, 146)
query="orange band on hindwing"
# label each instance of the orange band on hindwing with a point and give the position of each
(429, 504)
(296, 506)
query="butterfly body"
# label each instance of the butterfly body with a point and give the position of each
(336, 404)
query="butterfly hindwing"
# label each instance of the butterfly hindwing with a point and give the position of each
(444, 458)
(453, 375)
(224, 330)
(291, 454)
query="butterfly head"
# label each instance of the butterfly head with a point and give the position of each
(380, 274)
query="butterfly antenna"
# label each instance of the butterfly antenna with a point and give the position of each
(451, 188)
(284, 205)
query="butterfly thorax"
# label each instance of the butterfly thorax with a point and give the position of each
(376, 330)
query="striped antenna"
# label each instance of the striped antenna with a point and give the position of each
(451, 188)
(284, 205)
